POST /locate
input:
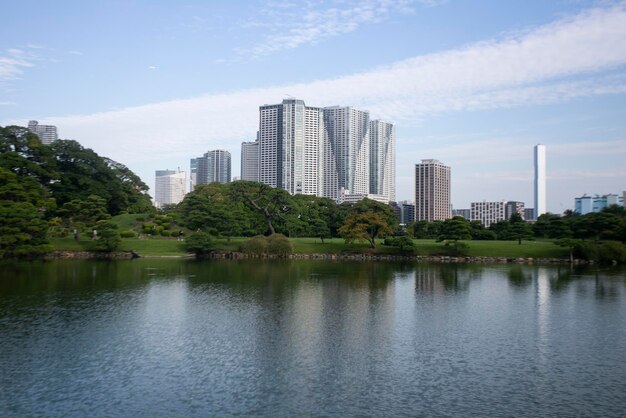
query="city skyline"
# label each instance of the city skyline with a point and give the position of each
(475, 87)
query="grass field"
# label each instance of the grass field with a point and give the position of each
(160, 246)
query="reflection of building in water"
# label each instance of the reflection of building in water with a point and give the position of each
(428, 280)
(542, 301)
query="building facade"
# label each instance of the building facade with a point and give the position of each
(291, 136)
(432, 191)
(540, 180)
(588, 204)
(46, 133)
(169, 187)
(214, 166)
(346, 157)
(487, 212)
(383, 159)
(511, 207)
(464, 213)
(250, 161)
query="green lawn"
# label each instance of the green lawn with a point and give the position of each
(161, 246)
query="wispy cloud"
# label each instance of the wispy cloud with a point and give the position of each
(13, 61)
(296, 24)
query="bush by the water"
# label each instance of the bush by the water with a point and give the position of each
(198, 243)
(275, 244)
(255, 245)
(278, 244)
(604, 252)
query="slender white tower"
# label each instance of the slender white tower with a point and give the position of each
(540, 180)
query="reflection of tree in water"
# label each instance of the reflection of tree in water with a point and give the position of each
(519, 276)
(440, 278)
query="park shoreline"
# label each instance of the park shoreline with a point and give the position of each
(234, 255)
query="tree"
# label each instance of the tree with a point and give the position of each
(365, 226)
(108, 237)
(455, 229)
(518, 228)
(569, 243)
(23, 209)
(273, 204)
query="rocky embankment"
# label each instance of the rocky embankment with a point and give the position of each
(395, 257)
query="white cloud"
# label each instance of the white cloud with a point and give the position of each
(13, 61)
(296, 24)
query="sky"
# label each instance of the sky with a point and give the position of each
(474, 84)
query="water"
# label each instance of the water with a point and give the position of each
(185, 338)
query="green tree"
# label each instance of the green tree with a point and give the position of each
(23, 209)
(519, 229)
(272, 203)
(365, 226)
(198, 243)
(108, 238)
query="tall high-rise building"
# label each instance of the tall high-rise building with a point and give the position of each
(214, 166)
(432, 191)
(383, 159)
(540, 180)
(290, 139)
(250, 161)
(169, 187)
(46, 133)
(324, 151)
(347, 152)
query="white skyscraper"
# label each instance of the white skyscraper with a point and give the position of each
(347, 151)
(290, 141)
(324, 151)
(46, 133)
(432, 191)
(383, 159)
(540, 180)
(169, 187)
(250, 161)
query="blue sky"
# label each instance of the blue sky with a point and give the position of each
(474, 84)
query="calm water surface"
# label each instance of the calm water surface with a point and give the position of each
(184, 338)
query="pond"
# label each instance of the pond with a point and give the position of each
(157, 337)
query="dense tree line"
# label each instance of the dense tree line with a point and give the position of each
(58, 185)
(245, 208)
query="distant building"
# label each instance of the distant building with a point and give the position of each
(344, 196)
(624, 198)
(407, 212)
(465, 213)
(491, 212)
(540, 180)
(529, 214)
(169, 187)
(432, 191)
(512, 207)
(193, 173)
(588, 204)
(46, 133)
(487, 212)
(214, 166)
(250, 161)
(382, 159)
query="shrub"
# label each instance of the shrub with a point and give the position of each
(280, 245)
(108, 238)
(455, 248)
(165, 233)
(127, 234)
(255, 245)
(198, 243)
(604, 252)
